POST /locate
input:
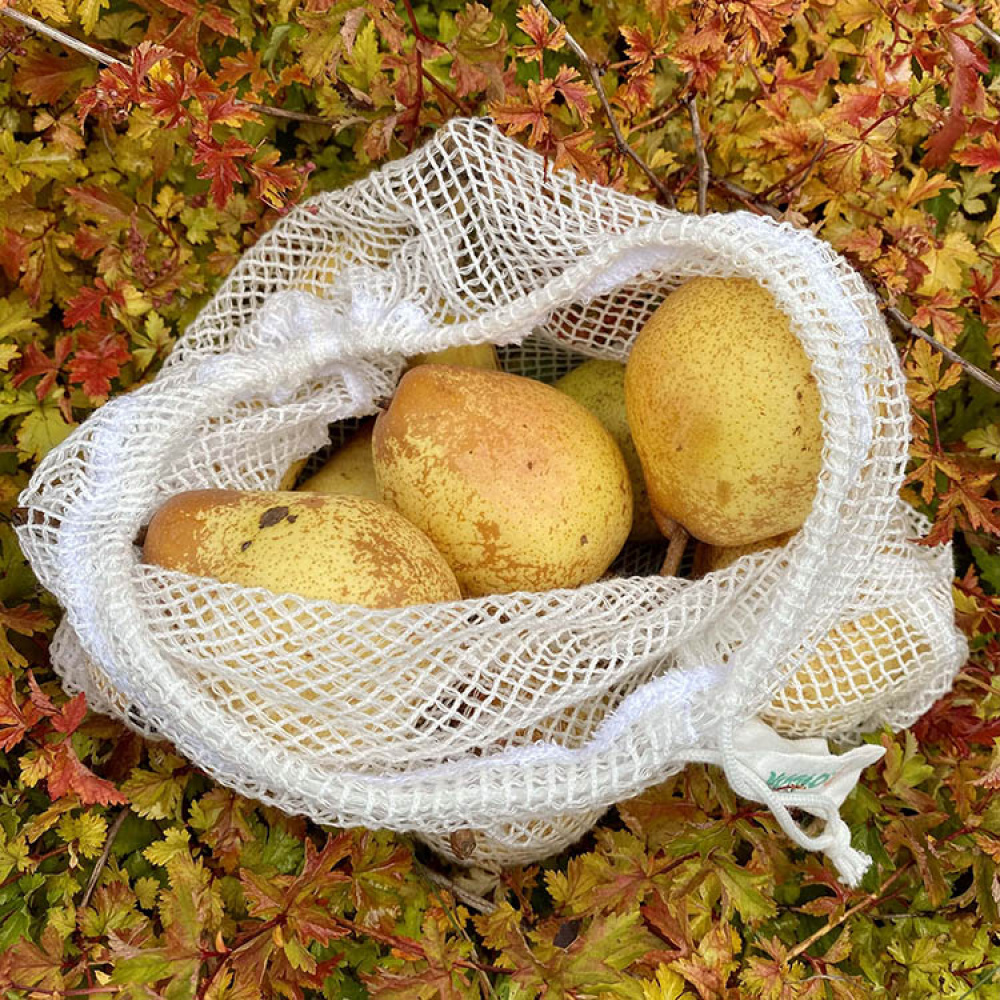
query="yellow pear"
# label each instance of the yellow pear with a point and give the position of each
(468, 355)
(519, 486)
(724, 411)
(854, 665)
(291, 475)
(334, 548)
(600, 387)
(361, 706)
(709, 558)
(349, 470)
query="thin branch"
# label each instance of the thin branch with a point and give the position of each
(988, 33)
(106, 59)
(595, 77)
(699, 150)
(915, 331)
(747, 197)
(103, 859)
(870, 900)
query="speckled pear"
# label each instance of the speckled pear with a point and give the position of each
(709, 558)
(600, 387)
(468, 355)
(519, 486)
(724, 410)
(349, 470)
(858, 663)
(335, 548)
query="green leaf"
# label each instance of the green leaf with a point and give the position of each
(744, 891)
(41, 430)
(148, 968)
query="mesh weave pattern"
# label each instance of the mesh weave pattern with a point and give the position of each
(523, 715)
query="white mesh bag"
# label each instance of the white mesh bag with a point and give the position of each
(522, 716)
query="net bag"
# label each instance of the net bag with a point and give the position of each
(521, 717)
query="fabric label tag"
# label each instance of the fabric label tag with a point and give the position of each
(803, 765)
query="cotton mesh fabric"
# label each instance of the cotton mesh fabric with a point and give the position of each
(520, 716)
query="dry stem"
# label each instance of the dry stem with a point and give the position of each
(699, 150)
(593, 71)
(103, 859)
(987, 32)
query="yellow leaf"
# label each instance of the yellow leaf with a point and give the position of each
(945, 264)
(41, 430)
(8, 353)
(668, 985)
(173, 845)
(985, 440)
(991, 234)
(88, 12)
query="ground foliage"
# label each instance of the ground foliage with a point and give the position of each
(127, 194)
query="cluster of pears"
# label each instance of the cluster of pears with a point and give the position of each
(474, 481)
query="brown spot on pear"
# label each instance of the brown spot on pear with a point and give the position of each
(340, 548)
(335, 548)
(452, 454)
(715, 387)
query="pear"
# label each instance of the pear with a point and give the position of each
(291, 475)
(600, 387)
(467, 355)
(709, 558)
(296, 683)
(855, 664)
(724, 411)
(519, 486)
(349, 470)
(334, 548)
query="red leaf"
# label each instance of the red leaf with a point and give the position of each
(220, 165)
(68, 718)
(12, 253)
(271, 181)
(47, 77)
(536, 25)
(575, 92)
(985, 158)
(35, 362)
(70, 774)
(98, 359)
(86, 306)
(640, 48)
(15, 719)
(966, 88)
(39, 699)
(531, 115)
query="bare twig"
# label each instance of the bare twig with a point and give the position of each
(915, 331)
(471, 899)
(699, 150)
(747, 197)
(594, 73)
(986, 31)
(106, 59)
(103, 859)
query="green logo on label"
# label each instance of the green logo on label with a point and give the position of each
(782, 782)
